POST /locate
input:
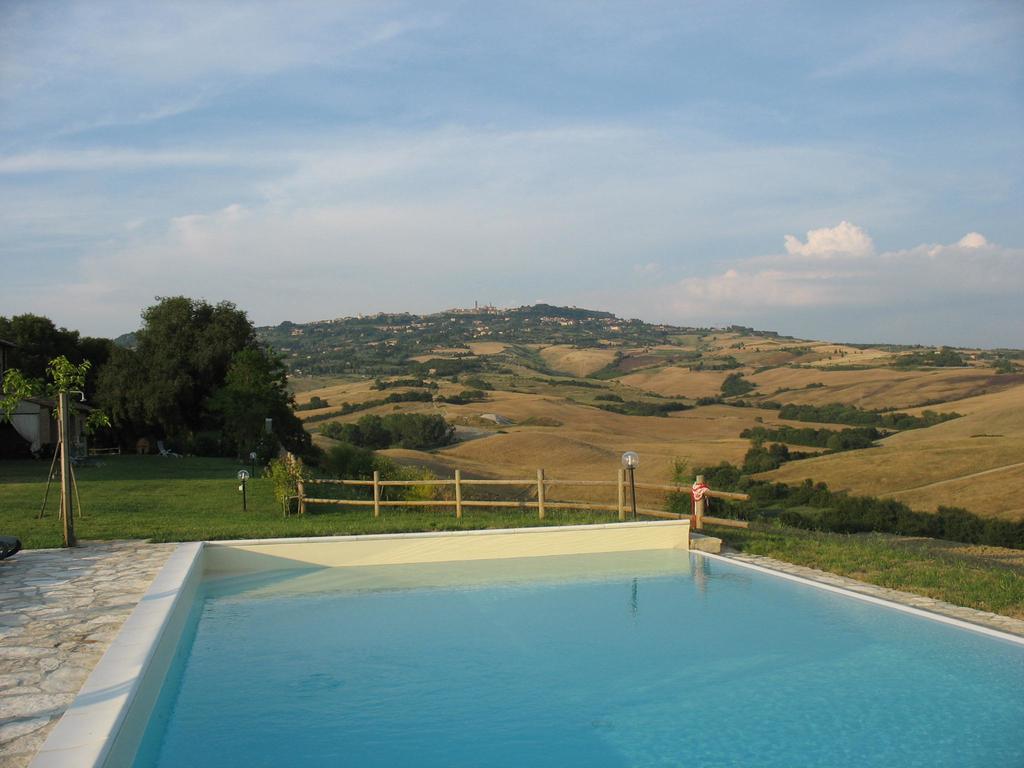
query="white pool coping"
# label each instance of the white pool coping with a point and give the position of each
(86, 734)
(86, 731)
(925, 614)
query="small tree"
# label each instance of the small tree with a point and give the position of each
(65, 378)
(286, 474)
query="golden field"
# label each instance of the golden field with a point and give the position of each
(576, 362)
(976, 461)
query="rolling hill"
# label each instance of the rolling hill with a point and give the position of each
(571, 386)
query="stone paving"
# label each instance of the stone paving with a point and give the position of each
(59, 610)
(984, 618)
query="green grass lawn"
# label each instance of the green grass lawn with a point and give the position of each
(987, 578)
(189, 499)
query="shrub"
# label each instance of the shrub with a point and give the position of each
(735, 385)
(841, 513)
(348, 461)
(285, 474)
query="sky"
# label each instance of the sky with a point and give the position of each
(849, 171)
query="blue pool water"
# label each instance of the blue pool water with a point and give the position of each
(639, 659)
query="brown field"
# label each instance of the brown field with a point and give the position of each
(576, 362)
(675, 381)
(879, 388)
(336, 394)
(838, 354)
(442, 353)
(487, 347)
(976, 462)
(588, 443)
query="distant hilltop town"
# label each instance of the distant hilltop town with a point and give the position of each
(383, 343)
(476, 309)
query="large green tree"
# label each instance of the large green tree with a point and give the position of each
(196, 367)
(255, 388)
(38, 341)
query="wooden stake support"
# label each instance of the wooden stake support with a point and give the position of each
(376, 493)
(540, 494)
(458, 493)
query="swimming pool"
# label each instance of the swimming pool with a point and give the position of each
(646, 657)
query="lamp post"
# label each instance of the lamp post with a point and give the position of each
(630, 461)
(243, 475)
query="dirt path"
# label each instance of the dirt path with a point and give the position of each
(955, 479)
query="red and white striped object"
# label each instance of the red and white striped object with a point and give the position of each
(699, 491)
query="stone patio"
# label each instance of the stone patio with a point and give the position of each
(59, 610)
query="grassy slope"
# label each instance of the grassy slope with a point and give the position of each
(987, 578)
(194, 498)
(930, 467)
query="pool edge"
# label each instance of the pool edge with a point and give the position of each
(875, 599)
(89, 728)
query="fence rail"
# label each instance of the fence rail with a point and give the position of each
(104, 451)
(542, 503)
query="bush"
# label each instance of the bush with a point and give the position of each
(415, 431)
(761, 459)
(843, 440)
(313, 404)
(477, 382)
(465, 397)
(840, 513)
(285, 475)
(839, 413)
(640, 408)
(349, 462)
(735, 385)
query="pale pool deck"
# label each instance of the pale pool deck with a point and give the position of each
(59, 611)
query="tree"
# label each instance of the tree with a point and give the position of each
(735, 385)
(256, 388)
(197, 367)
(38, 342)
(182, 356)
(65, 378)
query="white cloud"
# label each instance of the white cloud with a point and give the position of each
(973, 240)
(108, 158)
(972, 268)
(446, 210)
(844, 239)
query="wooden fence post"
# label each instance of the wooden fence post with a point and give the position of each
(540, 493)
(622, 493)
(698, 507)
(376, 493)
(458, 494)
(300, 488)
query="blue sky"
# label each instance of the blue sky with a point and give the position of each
(850, 171)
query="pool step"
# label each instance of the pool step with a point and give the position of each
(702, 543)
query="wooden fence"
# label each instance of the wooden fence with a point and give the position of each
(542, 503)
